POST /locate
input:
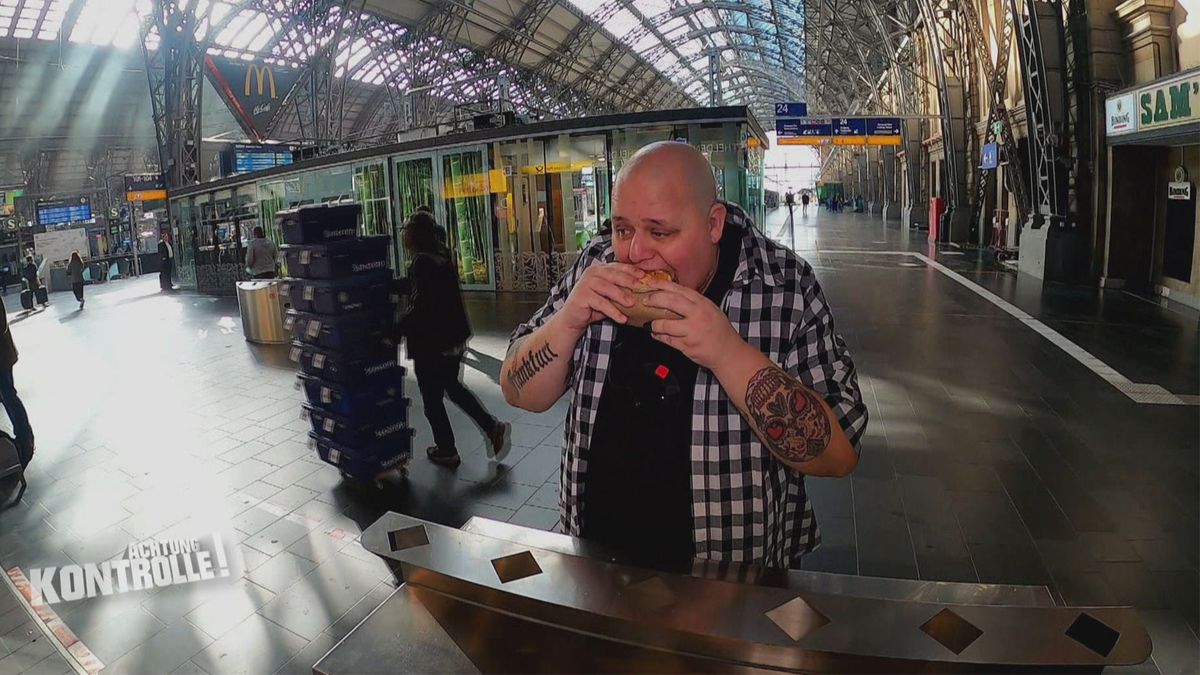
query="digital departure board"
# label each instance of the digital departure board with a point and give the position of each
(58, 211)
(245, 158)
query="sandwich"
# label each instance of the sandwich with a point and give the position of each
(639, 313)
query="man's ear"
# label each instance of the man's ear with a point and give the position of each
(716, 221)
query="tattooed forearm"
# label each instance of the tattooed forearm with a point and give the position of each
(531, 365)
(790, 419)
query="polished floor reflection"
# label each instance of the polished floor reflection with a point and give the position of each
(994, 455)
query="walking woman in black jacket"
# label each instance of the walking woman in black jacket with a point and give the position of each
(437, 330)
(22, 431)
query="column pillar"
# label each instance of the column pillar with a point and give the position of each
(889, 180)
(914, 213)
(1146, 25)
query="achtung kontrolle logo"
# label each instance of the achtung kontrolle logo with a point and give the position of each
(153, 563)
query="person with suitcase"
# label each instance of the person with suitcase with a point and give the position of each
(36, 290)
(437, 330)
(8, 391)
(75, 276)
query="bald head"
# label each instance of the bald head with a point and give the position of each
(678, 165)
(666, 215)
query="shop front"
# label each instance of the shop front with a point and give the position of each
(1153, 134)
(518, 203)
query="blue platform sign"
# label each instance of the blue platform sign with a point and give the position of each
(989, 156)
(791, 110)
(849, 126)
(883, 126)
(807, 131)
(787, 128)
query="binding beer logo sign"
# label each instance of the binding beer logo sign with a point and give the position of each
(1120, 115)
(1181, 187)
(255, 91)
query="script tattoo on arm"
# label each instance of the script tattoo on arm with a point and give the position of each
(789, 417)
(531, 365)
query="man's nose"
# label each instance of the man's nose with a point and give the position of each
(640, 248)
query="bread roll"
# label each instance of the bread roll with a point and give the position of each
(640, 314)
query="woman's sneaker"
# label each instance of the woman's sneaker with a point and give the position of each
(498, 441)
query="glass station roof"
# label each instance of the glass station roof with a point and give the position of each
(760, 44)
(244, 33)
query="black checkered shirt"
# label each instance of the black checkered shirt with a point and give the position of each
(747, 506)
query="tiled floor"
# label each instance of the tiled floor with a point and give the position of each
(992, 455)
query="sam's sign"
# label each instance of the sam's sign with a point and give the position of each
(1169, 103)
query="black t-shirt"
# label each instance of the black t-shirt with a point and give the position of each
(637, 500)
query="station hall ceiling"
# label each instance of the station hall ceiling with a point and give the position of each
(560, 57)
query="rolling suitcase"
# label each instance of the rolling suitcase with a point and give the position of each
(27, 299)
(11, 466)
(42, 297)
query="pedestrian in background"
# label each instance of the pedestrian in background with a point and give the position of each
(32, 278)
(437, 330)
(166, 261)
(440, 229)
(17, 414)
(75, 276)
(261, 256)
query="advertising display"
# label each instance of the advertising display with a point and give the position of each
(57, 245)
(8, 201)
(64, 211)
(1119, 115)
(253, 90)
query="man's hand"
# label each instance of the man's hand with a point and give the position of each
(600, 293)
(704, 334)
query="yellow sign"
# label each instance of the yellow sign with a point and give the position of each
(1170, 103)
(262, 75)
(804, 140)
(474, 184)
(555, 167)
(146, 195)
(839, 140)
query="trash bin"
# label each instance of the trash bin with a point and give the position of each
(262, 312)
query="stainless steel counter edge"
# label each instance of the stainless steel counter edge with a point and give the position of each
(778, 627)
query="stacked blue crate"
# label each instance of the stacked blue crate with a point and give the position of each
(342, 321)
